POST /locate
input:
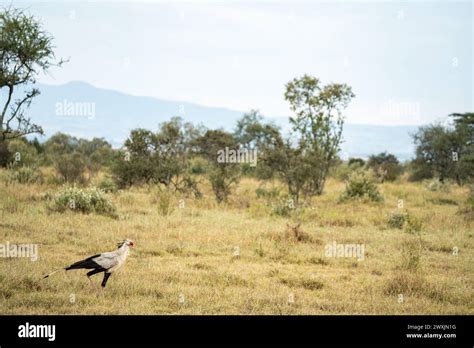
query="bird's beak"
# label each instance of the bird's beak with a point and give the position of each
(132, 244)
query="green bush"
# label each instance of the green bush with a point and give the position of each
(385, 166)
(89, 200)
(25, 175)
(361, 185)
(152, 158)
(397, 220)
(71, 167)
(22, 153)
(222, 180)
(406, 221)
(413, 225)
(355, 161)
(284, 207)
(418, 172)
(107, 185)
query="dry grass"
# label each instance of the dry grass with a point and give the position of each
(185, 261)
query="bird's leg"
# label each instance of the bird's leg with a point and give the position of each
(104, 281)
(92, 283)
(91, 273)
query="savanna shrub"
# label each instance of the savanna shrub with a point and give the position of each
(71, 167)
(361, 185)
(25, 175)
(22, 153)
(397, 220)
(89, 200)
(284, 207)
(222, 180)
(386, 166)
(354, 161)
(413, 224)
(107, 185)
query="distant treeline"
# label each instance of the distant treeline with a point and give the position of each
(178, 152)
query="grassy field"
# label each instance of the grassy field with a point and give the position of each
(239, 258)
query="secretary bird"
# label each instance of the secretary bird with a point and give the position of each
(106, 262)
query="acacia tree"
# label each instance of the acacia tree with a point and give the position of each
(318, 122)
(158, 158)
(222, 176)
(251, 133)
(385, 166)
(446, 153)
(280, 158)
(25, 51)
(464, 129)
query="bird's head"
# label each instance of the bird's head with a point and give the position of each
(127, 242)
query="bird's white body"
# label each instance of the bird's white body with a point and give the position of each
(113, 260)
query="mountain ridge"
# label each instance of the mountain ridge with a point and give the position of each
(83, 110)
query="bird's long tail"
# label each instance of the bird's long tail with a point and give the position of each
(49, 274)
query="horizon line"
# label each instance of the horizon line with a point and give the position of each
(268, 117)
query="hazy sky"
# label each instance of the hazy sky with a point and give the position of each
(408, 63)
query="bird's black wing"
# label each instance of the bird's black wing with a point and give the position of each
(88, 263)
